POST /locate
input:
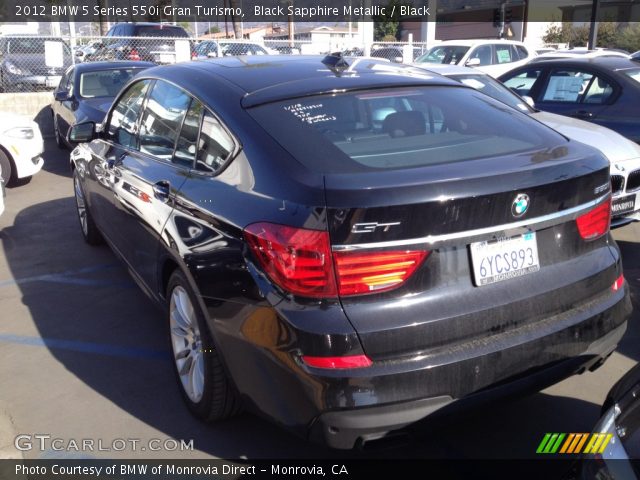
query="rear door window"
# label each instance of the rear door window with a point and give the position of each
(504, 53)
(123, 120)
(215, 145)
(576, 86)
(162, 120)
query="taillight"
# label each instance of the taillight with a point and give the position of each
(618, 284)
(301, 262)
(367, 272)
(298, 260)
(349, 361)
(133, 54)
(595, 223)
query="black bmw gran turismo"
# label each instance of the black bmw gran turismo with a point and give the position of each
(346, 249)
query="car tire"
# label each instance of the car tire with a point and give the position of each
(60, 143)
(205, 386)
(89, 230)
(8, 175)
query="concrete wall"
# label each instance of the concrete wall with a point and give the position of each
(35, 105)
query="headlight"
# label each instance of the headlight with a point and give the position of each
(20, 132)
(13, 69)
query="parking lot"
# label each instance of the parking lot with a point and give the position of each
(85, 357)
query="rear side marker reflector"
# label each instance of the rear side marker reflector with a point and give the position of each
(618, 284)
(595, 223)
(350, 361)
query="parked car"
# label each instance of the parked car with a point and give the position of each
(601, 90)
(377, 272)
(619, 427)
(30, 63)
(286, 49)
(21, 148)
(394, 54)
(86, 91)
(494, 57)
(206, 49)
(580, 53)
(89, 49)
(242, 48)
(623, 154)
(149, 42)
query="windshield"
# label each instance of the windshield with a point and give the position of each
(493, 88)
(105, 83)
(397, 128)
(451, 54)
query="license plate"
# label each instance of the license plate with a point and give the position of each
(503, 259)
(622, 205)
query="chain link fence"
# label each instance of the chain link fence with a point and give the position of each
(31, 63)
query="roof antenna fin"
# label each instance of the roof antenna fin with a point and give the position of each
(336, 63)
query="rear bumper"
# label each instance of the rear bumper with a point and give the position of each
(347, 428)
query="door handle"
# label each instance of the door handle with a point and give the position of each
(162, 190)
(583, 114)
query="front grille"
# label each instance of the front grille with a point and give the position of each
(633, 181)
(617, 183)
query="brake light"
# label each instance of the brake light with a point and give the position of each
(367, 272)
(193, 54)
(301, 262)
(595, 223)
(349, 361)
(618, 284)
(298, 260)
(133, 55)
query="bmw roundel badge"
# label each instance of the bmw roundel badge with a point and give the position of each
(520, 205)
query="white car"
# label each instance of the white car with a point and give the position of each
(579, 53)
(493, 57)
(623, 154)
(22, 147)
(2, 194)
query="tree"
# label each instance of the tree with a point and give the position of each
(214, 29)
(385, 26)
(629, 38)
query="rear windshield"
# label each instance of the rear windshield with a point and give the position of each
(31, 46)
(105, 83)
(490, 86)
(160, 32)
(400, 128)
(450, 54)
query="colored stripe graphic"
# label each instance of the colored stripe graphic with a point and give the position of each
(569, 443)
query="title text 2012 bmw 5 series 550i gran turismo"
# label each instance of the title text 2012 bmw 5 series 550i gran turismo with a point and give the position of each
(346, 249)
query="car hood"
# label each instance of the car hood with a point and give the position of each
(613, 145)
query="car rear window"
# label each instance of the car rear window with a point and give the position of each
(161, 31)
(633, 74)
(105, 83)
(387, 129)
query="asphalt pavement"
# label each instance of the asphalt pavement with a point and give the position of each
(84, 356)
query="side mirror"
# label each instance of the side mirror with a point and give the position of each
(82, 132)
(529, 101)
(61, 96)
(473, 62)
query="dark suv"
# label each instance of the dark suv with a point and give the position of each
(348, 248)
(150, 42)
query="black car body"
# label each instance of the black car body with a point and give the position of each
(86, 91)
(326, 256)
(148, 42)
(25, 64)
(603, 90)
